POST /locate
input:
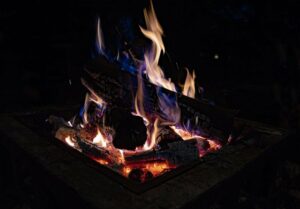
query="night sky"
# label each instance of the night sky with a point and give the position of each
(246, 54)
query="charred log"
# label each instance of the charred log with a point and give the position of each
(178, 153)
(114, 84)
(130, 130)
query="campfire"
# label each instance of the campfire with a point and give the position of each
(136, 121)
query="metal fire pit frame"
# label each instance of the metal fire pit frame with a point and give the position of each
(187, 190)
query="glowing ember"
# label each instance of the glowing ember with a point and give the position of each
(155, 168)
(101, 161)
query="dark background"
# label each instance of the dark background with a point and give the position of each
(44, 44)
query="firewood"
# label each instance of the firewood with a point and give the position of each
(130, 131)
(177, 153)
(115, 86)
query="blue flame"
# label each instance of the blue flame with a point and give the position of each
(81, 112)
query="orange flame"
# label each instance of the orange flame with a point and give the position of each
(154, 72)
(185, 134)
(154, 32)
(214, 145)
(152, 141)
(189, 84)
(100, 140)
(152, 132)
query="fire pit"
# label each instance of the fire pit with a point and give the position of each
(66, 178)
(139, 140)
(135, 121)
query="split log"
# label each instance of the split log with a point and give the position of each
(178, 153)
(116, 87)
(94, 151)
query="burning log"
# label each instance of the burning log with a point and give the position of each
(97, 152)
(130, 130)
(81, 140)
(113, 84)
(178, 153)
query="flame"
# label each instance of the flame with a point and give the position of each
(170, 111)
(186, 134)
(85, 107)
(152, 128)
(121, 156)
(139, 100)
(189, 84)
(213, 145)
(154, 32)
(154, 72)
(152, 141)
(99, 38)
(100, 140)
(69, 141)
(169, 114)
(101, 161)
(91, 97)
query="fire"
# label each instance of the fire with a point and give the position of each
(69, 141)
(152, 128)
(139, 100)
(154, 72)
(99, 39)
(189, 85)
(167, 115)
(185, 134)
(154, 32)
(155, 168)
(101, 161)
(213, 145)
(91, 97)
(100, 140)
(151, 141)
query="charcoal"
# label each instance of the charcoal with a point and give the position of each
(130, 130)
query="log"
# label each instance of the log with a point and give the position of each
(177, 153)
(116, 87)
(130, 131)
(94, 151)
